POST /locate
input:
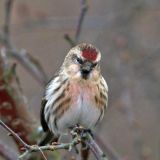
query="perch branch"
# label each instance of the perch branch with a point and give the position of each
(79, 135)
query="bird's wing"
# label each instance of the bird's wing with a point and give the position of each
(43, 104)
(48, 135)
(43, 122)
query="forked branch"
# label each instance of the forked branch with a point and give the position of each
(79, 135)
(26, 59)
(84, 9)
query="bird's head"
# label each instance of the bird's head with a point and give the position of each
(82, 62)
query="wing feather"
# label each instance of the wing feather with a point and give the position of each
(43, 121)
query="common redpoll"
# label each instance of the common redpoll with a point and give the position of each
(78, 94)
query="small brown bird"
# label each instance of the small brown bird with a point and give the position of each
(78, 94)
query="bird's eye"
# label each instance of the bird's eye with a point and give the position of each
(79, 60)
(94, 64)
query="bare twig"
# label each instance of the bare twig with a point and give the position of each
(26, 60)
(30, 64)
(108, 149)
(36, 148)
(8, 9)
(99, 154)
(69, 40)
(14, 134)
(78, 137)
(84, 8)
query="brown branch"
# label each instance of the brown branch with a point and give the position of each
(26, 60)
(36, 148)
(84, 8)
(99, 154)
(8, 9)
(13, 108)
(30, 64)
(15, 135)
(69, 40)
(79, 135)
(7, 152)
(108, 149)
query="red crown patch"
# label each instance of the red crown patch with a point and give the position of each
(89, 53)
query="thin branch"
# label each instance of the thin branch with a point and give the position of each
(30, 64)
(74, 41)
(36, 148)
(14, 134)
(8, 9)
(108, 149)
(69, 40)
(79, 135)
(99, 154)
(84, 8)
(26, 60)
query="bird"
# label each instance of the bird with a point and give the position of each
(77, 94)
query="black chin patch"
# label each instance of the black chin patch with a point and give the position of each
(85, 74)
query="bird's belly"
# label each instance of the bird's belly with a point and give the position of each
(89, 114)
(82, 111)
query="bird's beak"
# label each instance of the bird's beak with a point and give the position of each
(86, 69)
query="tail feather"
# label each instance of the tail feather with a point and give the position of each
(48, 138)
(85, 151)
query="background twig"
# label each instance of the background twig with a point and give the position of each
(99, 154)
(13, 134)
(22, 56)
(13, 105)
(84, 8)
(8, 9)
(74, 41)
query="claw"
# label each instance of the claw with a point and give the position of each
(55, 143)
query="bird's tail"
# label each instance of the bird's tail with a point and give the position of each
(47, 138)
(85, 151)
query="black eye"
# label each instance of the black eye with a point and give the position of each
(79, 60)
(94, 64)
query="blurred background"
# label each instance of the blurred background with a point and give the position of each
(128, 35)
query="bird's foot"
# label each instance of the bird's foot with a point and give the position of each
(82, 131)
(55, 143)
